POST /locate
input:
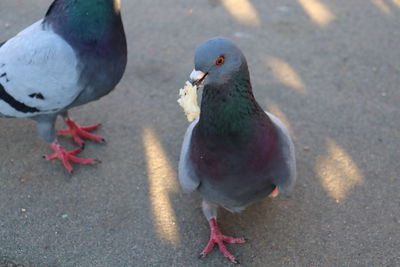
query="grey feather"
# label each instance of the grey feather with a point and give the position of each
(217, 159)
(187, 178)
(285, 186)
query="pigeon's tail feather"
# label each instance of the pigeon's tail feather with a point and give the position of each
(2, 43)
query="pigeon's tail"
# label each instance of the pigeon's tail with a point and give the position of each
(2, 43)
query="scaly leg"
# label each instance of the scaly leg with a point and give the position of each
(216, 237)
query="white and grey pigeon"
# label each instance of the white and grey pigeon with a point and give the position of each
(235, 153)
(76, 54)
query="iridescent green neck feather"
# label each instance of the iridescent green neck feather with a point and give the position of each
(85, 22)
(229, 109)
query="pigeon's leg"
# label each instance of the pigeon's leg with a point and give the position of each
(80, 132)
(67, 157)
(216, 237)
(45, 127)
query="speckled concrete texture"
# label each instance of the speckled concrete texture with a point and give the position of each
(329, 68)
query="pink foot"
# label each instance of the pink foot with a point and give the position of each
(217, 238)
(81, 132)
(67, 156)
(274, 193)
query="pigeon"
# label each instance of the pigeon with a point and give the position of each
(235, 153)
(76, 54)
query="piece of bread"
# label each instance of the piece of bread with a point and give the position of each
(188, 101)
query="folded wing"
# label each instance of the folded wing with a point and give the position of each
(39, 73)
(187, 178)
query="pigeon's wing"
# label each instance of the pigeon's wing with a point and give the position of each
(1, 44)
(187, 178)
(285, 184)
(38, 73)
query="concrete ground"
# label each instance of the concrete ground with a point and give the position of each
(328, 68)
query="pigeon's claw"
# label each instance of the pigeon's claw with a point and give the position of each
(81, 132)
(68, 156)
(216, 237)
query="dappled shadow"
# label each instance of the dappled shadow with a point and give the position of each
(285, 73)
(338, 172)
(387, 7)
(318, 11)
(322, 66)
(243, 11)
(162, 183)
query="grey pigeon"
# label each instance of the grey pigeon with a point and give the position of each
(76, 54)
(235, 153)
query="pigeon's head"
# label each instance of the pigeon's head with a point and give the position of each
(215, 61)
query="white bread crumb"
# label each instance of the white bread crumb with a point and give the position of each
(188, 101)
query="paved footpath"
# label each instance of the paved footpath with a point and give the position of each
(329, 68)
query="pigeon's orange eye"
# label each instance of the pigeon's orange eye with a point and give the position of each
(220, 61)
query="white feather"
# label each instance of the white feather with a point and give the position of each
(37, 60)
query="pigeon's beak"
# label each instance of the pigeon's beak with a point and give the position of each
(197, 77)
